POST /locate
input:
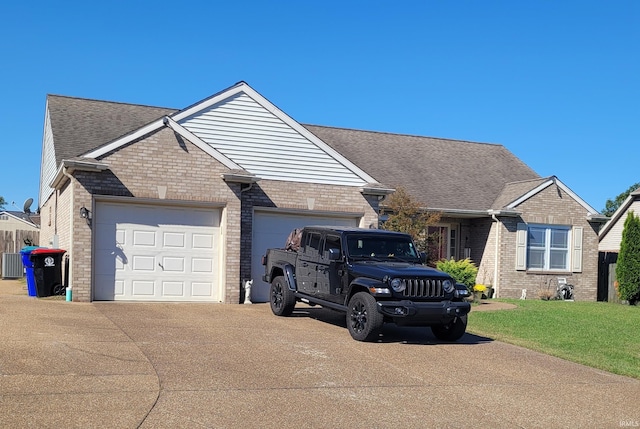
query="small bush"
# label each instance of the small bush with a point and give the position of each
(463, 271)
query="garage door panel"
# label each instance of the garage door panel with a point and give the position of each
(173, 265)
(156, 253)
(201, 288)
(270, 230)
(143, 287)
(200, 265)
(202, 241)
(173, 289)
(174, 239)
(144, 238)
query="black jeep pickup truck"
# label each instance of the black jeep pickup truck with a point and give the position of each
(374, 276)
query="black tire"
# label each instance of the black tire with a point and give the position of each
(565, 293)
(452, 331)
(363, 319)
(59, 289)
(282, 298)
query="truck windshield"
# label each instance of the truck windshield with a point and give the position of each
(381, 246)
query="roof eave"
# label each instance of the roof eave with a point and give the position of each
(68, 166)
(376, 190)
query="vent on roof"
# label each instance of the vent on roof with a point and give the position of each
(12, 267)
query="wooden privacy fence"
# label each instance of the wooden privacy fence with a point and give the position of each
(13, 241)
(613, 292)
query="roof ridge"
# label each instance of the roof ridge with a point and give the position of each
(537, 179)
(403, 134)
(110, 102)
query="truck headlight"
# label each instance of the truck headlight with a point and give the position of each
(448, 286)
(398, 285)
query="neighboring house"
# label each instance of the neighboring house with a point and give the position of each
(15, 228)
(523, 231)
(610, 238)
(611, 233)
(163, 204)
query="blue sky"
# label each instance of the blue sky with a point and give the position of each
(556, 82)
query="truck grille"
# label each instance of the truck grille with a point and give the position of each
(423, 288)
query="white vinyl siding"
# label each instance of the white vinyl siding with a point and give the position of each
(263, 144)
(610, 242)
(49, 167)
(548, 248)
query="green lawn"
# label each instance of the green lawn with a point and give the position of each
(597, 334)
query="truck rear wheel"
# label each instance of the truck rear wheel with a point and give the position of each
(452, 331)
(282, 299)
(363, 319)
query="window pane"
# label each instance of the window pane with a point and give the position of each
(558, 260)
(536, 258)
(536, 237)
(559, 238)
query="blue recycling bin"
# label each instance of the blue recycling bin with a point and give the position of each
(25, 252)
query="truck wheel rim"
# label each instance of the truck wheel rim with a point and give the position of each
(358, 317)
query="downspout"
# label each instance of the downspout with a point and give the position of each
(496, 281)
(69, 265)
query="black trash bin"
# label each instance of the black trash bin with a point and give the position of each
(47, 271)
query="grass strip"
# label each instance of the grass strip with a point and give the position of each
(597, 334)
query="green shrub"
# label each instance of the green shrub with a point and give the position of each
(463, 271)
(628, 266)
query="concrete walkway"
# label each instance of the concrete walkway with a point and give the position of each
(168, 365)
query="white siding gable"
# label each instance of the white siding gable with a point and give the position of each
(48, 162)
(265, 144)
(610, 242)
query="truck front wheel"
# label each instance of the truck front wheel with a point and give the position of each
(363, 319)
(452, 331)
(282, 299)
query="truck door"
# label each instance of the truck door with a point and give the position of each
(307, 265)
(329, 279)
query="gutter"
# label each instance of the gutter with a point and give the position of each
(68, 167)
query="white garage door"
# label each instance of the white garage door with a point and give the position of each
(270, 230)
(156, 253)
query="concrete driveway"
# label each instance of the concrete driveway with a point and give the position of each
(127, 365)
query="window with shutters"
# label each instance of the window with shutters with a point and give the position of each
(549, 248)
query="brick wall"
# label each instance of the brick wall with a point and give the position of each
(163, 166)
(551, 206)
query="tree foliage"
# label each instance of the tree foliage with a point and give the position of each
(612, 205)
(406, 215)
(628, 266)
(2, 202)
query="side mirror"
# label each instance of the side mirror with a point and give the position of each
(334, 254)
(423, 257)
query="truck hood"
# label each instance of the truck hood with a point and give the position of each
(374, 269)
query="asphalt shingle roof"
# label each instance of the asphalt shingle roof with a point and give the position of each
(80, 125)
(514, 190)
(438, 173)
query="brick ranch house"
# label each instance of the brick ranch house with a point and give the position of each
(159, 204)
